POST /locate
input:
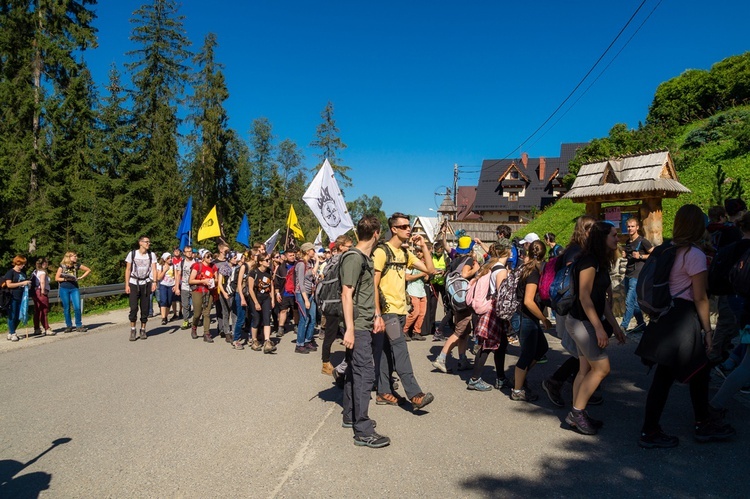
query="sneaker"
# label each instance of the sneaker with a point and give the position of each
(164, 322)
(580, 423)
(194, 333)
(552, 389)
(387, 399)
(143, 335)
(374, 441)
(596, 399)
(596, 423)
(464, 364)
(68, 329)
(256, 346)
(522, 395)
(713, 430)
(185, 325)
(208, 338)
(418, 337)
(297, 349)
(82, 329)
(49, 332)
(132, 334)
(407, 337)
(311, 346)
(269, 347)
(543, 360)
(313, 343)
(13, 337)
(439, 364)
(478, 385)
(422, 399)
(237, 345)
(658, 440)
(438, 337)
(501, 383)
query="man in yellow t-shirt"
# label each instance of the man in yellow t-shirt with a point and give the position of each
(390, 263)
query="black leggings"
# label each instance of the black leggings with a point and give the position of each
(332, 329)
(664, 378)
(569, 368)
(140, 295)
(481, 359)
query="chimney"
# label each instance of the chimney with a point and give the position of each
(542, 167)
(525, 159)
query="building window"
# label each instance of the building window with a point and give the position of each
(513, 175)
(513, 218)
(512, 196)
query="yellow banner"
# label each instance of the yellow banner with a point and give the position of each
(210, 226)
(293, 224)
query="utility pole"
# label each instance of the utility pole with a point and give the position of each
(455, 184)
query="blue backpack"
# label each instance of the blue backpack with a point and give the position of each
(563, 291)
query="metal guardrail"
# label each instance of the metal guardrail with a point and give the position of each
(91, 292)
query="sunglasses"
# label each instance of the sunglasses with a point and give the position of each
(402, 227)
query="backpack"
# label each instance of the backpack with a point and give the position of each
(328, 292)
(390, 259)
(563, 292)
(547, 277)
(6, 297)
(478, 296)
(231, 286)
(506, 300)
(652, 288)
(34, 282)
(739, 275)
(457, 286)
(718, 272)
(132, 266)
(289, 281)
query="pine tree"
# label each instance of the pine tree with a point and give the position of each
(159, 75)
(263, 165)
(330, 144)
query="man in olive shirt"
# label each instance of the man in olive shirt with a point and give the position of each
(358, 303)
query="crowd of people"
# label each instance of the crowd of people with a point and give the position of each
(391, 290)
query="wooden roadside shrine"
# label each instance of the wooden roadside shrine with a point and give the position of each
(634, 185)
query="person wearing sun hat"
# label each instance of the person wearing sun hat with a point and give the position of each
(468, 266)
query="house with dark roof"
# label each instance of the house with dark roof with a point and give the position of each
(511, 190)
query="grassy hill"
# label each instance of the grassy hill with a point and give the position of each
(698, 149)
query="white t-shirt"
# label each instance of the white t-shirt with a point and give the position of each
(141, 271)
(169, 276)
(187, 265)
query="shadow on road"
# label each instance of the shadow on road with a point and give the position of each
(30, 484)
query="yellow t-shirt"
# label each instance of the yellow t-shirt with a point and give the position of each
(393, 282)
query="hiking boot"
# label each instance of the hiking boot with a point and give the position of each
(464, 364)
(185, 325)
(298, 349)
(552, 389)
(522, 395)
(387, 399)
(713, 430)
(478, 385)
(327, 369)
(312, 347)
(207, 338)
(132, 334)
(418, 337)
(237, 345)
(269, 347)
(580, 423)
(658, 440)
(256, 346)
(407, 337)
(82, 329)
(194, 333)
(143, 335)
(439, 364)
(421, 399)
(374, 441)
(501, 383)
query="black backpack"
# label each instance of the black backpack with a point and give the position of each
(718, 271)
(739, 275)
(6, 297)
(652, 288)
(390, 259)
(328, 291)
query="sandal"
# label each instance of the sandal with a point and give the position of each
(386, 399)
(421, 399)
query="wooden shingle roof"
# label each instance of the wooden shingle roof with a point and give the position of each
(638, 175)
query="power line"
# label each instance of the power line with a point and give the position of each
(579, 83)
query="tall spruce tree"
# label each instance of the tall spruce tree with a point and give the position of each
(263, 165)
(210, 174)
(328, 142)
(159, 75)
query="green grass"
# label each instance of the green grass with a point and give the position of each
(558, 219)
(92, 306)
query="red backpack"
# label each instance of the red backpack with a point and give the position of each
(548, 275)
(289, 280)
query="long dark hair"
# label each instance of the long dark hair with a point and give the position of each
(596, 245)
(689, 226)
(536, 253)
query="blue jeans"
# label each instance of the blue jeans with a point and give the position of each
(14, 316)
(240, 322)
(631, 303)
(68, 296)
(307, 316)
(533, 343)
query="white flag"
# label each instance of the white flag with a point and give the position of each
(318, 243)
(327, 203)
(271, 243)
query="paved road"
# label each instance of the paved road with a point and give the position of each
(94, 415)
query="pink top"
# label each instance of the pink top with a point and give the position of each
(688, 262)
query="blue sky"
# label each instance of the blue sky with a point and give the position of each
(419, 86)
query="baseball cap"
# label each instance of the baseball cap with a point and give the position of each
(307, 247)
(530, 238)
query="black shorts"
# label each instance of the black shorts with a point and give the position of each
(287, 302)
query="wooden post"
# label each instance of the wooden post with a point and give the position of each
(651, 215)
(593, 209)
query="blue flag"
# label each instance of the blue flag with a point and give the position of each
(243, 236)
(183, 232)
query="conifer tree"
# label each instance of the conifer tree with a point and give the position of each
(159, 75)
(263, 165)
(329, 144)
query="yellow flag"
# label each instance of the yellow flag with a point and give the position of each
(210, 226)
(293, 224)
